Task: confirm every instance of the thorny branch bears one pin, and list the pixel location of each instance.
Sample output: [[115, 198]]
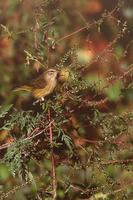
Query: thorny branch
[[105, 100], [106, 15], [54, 184], [32, 135]]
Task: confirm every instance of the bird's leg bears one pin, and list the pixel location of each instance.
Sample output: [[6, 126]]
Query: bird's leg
[[34, 103], [42, 99], [39, 100]]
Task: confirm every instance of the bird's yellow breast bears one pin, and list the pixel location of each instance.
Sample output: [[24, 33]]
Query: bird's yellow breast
[[42, 92]]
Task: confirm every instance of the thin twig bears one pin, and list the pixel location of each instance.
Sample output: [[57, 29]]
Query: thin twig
[[102, 195], [106, 99], [6, 145], [54, 184], [90, 25], [109, 162], [4, 195]]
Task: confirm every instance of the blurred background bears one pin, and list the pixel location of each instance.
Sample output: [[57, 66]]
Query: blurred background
[[100, 31]]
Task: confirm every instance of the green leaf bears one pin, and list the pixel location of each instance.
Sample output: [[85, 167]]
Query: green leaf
[[68, 141], [114, 91], [118, 51], [97, 82], [32, 180], [4, 173], [4, 110]]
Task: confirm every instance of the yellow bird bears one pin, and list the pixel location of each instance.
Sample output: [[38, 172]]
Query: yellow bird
[[41, 86]]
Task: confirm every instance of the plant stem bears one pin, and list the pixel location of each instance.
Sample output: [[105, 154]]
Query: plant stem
[[54, 184]]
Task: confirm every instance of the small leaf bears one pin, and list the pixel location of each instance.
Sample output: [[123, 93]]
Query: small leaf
[[4, 173], [68, 141], [4, 110], [114, 91], [32, 180]]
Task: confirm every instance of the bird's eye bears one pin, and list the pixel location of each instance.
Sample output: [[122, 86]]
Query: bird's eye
[[50, 73]]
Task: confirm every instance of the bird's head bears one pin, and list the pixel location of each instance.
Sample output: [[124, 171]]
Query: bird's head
[[51, 74]]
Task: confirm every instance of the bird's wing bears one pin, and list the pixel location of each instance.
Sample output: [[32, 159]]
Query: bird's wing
[[39, 82], [24, 87]]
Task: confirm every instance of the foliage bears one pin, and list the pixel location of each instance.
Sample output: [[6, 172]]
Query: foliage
[[4, 110]]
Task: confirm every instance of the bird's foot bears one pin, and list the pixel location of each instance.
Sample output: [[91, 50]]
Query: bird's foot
[[34, 103], [39, 101], [42, 99]]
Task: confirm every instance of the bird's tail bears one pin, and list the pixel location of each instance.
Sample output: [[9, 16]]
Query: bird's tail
[[24, 88]]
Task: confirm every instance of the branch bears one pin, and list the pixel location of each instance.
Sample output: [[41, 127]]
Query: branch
[[113, 162], [91, 24], [54, 182], [6, 145], [105, 100]]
